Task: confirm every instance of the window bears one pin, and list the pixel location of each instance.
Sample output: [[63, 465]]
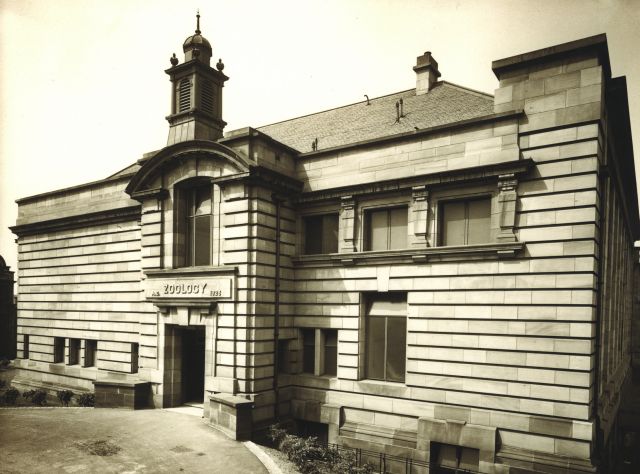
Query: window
[[466, 222], [25, 346], [195, 226], [386, 229], [386, 336], [283, 356], [308, 350], [330, 365], [90, 351], [134, 357], [74, 351], [449, 458], [58, 349], [327, 361], [321, 234]]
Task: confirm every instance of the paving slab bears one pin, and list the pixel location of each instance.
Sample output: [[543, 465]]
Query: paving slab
[[86, 440]]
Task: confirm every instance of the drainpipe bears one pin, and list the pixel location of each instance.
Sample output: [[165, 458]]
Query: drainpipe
[[276, 313], [603, 244]]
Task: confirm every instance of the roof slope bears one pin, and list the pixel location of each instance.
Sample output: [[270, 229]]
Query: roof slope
[[446, 103]]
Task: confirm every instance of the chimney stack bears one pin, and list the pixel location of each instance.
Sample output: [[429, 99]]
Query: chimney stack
[[427, 73]]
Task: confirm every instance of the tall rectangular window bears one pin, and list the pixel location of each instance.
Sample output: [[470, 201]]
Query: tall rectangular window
[[321, 234], [25, 346], [134, 357], [308, 350], [466, 222], [386, 337], [90, 352], [283, 356], [199, 227], [194, 224], [330, 351], [386, 229], [74, 351], [58, 349]]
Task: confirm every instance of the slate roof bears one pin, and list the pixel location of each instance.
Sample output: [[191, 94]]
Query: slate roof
[[444, 104]]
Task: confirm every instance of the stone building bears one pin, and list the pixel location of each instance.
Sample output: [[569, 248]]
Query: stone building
[[437, 273], [7, 313]]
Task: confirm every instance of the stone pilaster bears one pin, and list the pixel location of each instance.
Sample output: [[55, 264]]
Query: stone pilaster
[[419, 216], [347, 224], [507, 199]]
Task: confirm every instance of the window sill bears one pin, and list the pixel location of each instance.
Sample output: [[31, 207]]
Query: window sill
[[419, 255], [191, 271]]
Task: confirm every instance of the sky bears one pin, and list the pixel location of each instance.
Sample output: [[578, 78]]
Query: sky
[[83, 91]]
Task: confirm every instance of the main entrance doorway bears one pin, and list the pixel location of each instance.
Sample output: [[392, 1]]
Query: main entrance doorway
[[192, 370]]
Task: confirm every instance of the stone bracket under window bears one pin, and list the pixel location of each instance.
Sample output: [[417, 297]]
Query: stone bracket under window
[[419, 215], [461, 252], [507, 201], [347, 227]]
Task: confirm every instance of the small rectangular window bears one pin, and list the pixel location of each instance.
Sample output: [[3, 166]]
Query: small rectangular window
[[386, 337], [386, 229], [283, 356], [452, 458], [25, 346], [308, 350], [90, 351], [74, 351], [330, 351], [58, 349], [134, 357], [466, 222], [321, 234]]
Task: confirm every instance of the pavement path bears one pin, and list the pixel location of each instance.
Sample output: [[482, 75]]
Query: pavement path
[[86, 440]]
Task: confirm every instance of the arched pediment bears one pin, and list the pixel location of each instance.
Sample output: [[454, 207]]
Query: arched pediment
[[203, 149]]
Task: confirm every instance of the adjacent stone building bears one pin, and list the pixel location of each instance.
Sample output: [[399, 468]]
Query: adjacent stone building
[[7, 313], [437, 273]]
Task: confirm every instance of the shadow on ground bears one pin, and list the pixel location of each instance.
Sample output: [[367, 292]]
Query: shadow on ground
[[84, 440]]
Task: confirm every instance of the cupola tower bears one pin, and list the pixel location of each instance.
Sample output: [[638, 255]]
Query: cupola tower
[[196, 92]]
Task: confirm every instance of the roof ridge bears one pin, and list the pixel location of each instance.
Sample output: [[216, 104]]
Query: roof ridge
[[335, 108], [468, 89]]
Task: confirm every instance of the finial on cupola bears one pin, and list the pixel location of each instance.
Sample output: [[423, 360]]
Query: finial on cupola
[[174, 60], [220, 65], [198, 21]]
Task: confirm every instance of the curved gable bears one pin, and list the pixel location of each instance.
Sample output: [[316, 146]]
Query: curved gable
[[204, 149]]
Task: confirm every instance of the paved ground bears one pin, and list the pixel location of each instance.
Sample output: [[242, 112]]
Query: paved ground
[[85, 440]]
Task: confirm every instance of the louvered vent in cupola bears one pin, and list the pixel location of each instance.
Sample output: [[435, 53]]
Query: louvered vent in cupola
[[208, 96], [184, 95]]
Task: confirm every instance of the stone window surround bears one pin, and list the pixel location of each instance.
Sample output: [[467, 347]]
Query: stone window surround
[[421, 195], [318, 370]]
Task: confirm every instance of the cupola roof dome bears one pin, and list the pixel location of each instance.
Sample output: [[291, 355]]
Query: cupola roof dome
[[196, 40]]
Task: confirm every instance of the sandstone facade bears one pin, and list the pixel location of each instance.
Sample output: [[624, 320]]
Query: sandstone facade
[[513, 345]]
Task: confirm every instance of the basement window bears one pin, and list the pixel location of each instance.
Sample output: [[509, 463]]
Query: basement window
[[450, 458], [25, 346], [90, 351], [58, 350], [135, 349], [308, 350], [74, 352]]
